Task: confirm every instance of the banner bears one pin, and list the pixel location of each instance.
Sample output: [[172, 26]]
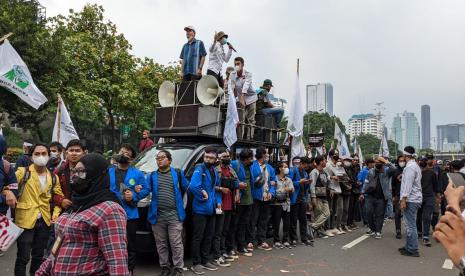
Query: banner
[[316, 140], [15, 77], [63, 131]]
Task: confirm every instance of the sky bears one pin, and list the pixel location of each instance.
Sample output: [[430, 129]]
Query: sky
[[402, 53]]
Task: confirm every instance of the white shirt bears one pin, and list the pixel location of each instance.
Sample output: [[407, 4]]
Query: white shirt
[[410, 186], [217, 57], [242, 85]]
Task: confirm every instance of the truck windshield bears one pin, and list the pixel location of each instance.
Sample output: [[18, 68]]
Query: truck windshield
[[146, 161]]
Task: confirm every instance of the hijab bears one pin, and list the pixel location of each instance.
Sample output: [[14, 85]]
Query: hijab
[[99, 184]]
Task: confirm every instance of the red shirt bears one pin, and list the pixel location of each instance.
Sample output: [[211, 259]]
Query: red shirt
[[94, 243], [145, 144], [227, 198]]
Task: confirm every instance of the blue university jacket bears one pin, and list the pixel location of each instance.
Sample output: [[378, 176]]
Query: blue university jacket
[[201, 180], [152, 180], [257, 193], [295, 176], [239, 168], [133, 178]]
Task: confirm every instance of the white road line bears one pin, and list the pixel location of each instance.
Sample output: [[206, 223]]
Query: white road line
[[448, 264], [355, 242]]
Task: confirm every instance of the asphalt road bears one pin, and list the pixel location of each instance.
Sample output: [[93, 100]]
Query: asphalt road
[[369, 257]]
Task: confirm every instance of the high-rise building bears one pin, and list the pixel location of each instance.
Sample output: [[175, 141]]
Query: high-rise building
[[319, 98], [451, 137], [425, 126], [406, 130], [365, 124]]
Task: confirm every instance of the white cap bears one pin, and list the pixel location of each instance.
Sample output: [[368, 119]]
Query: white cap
[[189, 28]]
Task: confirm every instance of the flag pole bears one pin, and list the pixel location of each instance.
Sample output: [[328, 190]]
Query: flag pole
[[290, 136], [59, 118], [5, 37]]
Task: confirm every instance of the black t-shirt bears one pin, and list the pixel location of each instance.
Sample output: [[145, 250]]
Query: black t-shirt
[[378, 194], [120, 176], [429, 183]]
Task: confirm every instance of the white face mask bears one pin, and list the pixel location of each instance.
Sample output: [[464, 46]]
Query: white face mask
[[401, 164], [347, 164], [237, 68], [286, 171], [338, 164], [54, 154], [40, 161]]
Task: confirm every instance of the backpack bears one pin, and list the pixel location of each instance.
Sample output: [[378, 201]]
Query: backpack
[[27, 175]]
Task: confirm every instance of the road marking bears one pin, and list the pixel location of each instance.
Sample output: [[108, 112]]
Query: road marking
[[448, 264], [355, 242]]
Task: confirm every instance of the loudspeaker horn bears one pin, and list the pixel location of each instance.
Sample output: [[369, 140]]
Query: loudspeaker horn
[[208, 90], [166, 94]]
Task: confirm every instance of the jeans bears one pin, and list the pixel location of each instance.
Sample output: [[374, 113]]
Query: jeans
[[321, 213], [131, 228], [216, 244], [31, 243], [228, 235], [410, 217], [241, 222], [424, 217], [276, 112], [278, 215], [259, 222], [168, 235], [389, 213], [299, 213], [203, 233], [336, 207], [345, 209], [375, 213]]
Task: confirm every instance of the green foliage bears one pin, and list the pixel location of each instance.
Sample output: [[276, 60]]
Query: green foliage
[[423, 152], [13, 154], [370, 145], [314, 122], [12, 137]]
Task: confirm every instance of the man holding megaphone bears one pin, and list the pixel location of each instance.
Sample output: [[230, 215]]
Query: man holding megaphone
[[218, 56]]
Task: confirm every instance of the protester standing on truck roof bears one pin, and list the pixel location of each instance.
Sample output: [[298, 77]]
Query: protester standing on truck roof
[[192, 56], [218, 57]]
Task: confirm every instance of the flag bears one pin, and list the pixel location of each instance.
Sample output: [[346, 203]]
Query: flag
[[355, 146], [295, 125], [360, 157], [342, 146], [63, 131], [15, 77], [232, 119], [1, 131], [384, 149]]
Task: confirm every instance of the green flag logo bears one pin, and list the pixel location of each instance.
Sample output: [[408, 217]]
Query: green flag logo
[[18, 76]]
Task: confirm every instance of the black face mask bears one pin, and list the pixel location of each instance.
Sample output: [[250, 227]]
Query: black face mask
[[121, 158], [226, 162], [379, 166], [78, 185]]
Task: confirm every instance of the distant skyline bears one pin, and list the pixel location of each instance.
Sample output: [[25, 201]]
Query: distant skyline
[[403, 53]]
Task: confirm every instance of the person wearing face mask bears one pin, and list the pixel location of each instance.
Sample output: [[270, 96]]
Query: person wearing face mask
[[229, 184], [56, 151], [91, 235], [443, 181], [319, 197], [353, 194], [377, 187], [218, 57], [33, 210], [333, 169], [429, 188], [8, 182], [205, 205], [25, 159], [395, 182], [192, 56], [362, 176], [241, 85], [265, 106], [129, 185]]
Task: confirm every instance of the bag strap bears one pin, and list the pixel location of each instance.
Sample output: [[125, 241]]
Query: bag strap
[[6, 167], [23, 182]]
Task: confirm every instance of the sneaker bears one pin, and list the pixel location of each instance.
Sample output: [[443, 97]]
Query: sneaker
[[287, 245], [250, 247], [278, 245], [409, 254], [308, 243], [165, 271], [378, 235], [265, 246], [334, 231], [294, 243], [370, 233], [321, 234], [177, 272], [427, 242], [398, 235], [221, 262], [329, 233], [339, 231], [210, 266], [197, 269], [228, 258], [233, 254], [346, 229], [245, 252], [353, 227]]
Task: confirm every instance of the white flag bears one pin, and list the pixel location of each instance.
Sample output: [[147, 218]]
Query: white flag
[[384, 149], [295, 125], [63, 131], [342, 146], [355, 146], [1, 131], [360, 157], [232, 119], [15, 77]]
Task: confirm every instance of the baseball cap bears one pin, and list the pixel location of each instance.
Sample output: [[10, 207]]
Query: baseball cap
[[190, 27], [268, 82]]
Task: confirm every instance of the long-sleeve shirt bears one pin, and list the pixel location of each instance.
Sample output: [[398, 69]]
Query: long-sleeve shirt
[[429, 183], [410, 187], [94, 243], [218, 57]]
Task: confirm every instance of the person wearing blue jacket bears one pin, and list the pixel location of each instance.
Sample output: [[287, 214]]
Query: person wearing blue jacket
[[129, 185], [205, 205], [263, 191], [299, 200], [166, 213], [362, 176], [241, 221]]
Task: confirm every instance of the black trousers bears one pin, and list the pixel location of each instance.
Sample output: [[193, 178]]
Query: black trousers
[[375, 212], [204, 232], [31, 243], [298, 213], [229, 233], [278, 215], [131, 229], [259, 222], [352, 210], [216, 244], [218, 77], [397, 215], [241, 222], [190, 77]]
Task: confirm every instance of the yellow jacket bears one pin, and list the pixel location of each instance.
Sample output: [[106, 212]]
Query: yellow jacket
[[33, 200]]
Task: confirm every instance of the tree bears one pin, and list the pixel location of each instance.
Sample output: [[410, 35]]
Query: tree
[[370, 145], [314, 122]]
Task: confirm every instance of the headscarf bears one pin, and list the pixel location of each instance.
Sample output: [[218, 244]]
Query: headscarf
[[99, 187]]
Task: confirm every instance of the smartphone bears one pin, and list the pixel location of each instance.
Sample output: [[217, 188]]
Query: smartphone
[[456, 179]]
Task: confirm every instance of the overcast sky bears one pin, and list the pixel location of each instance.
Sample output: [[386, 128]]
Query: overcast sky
[[402, 53]]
